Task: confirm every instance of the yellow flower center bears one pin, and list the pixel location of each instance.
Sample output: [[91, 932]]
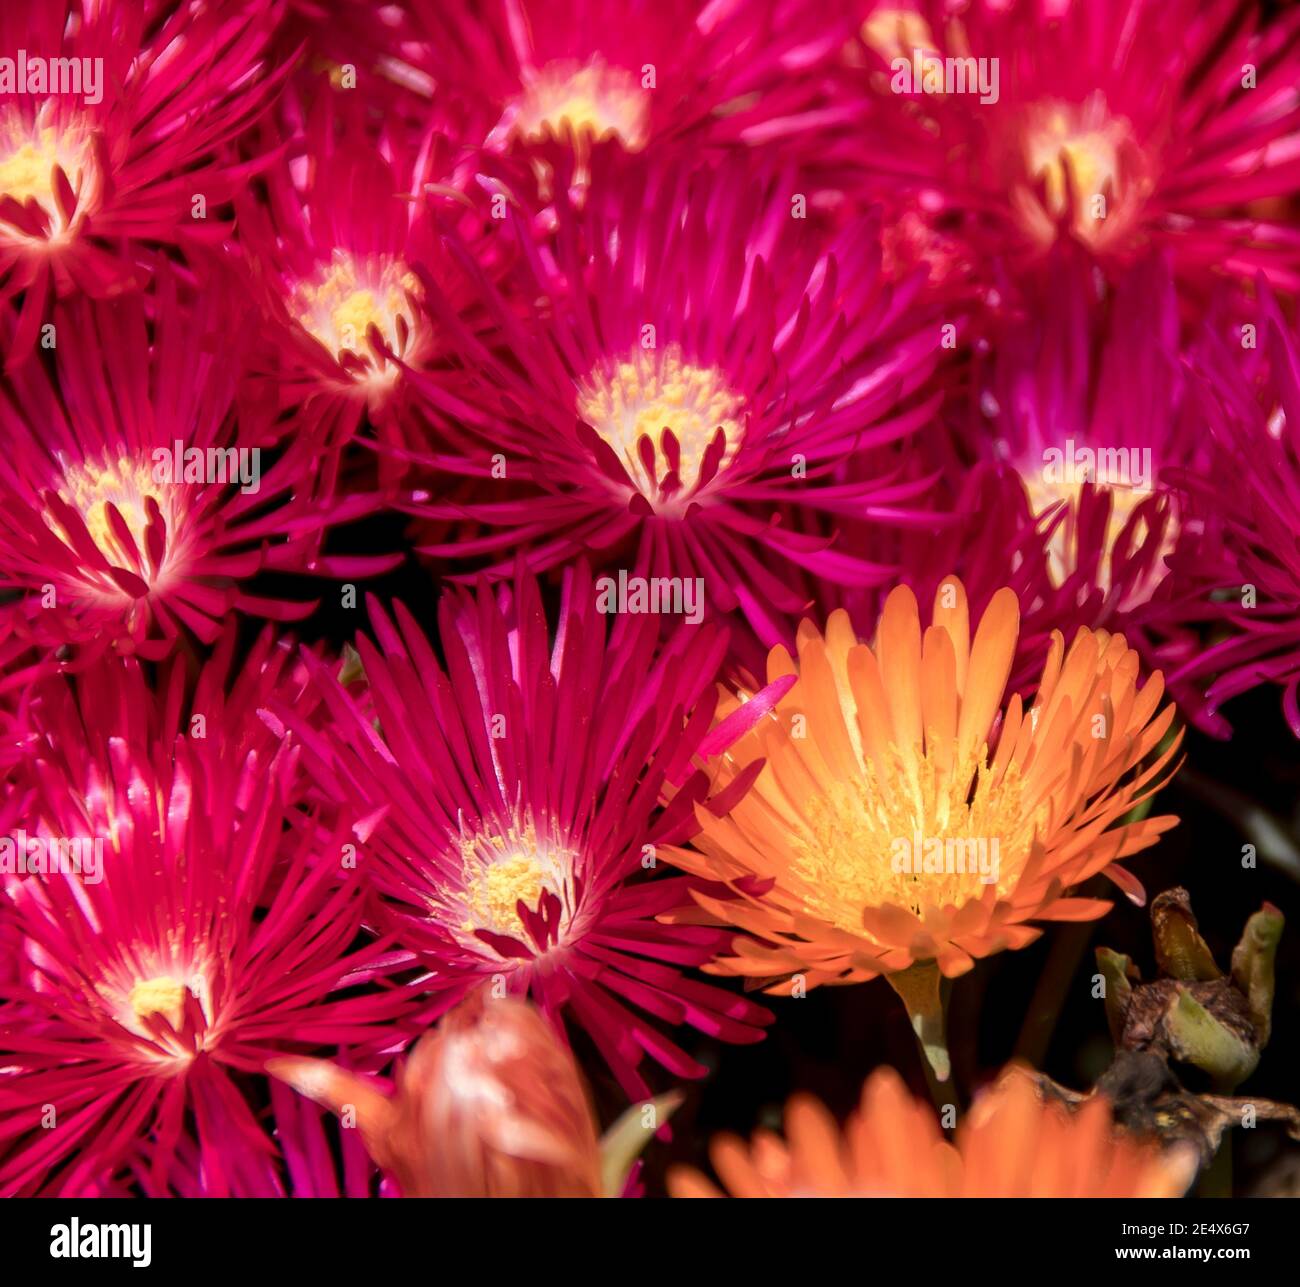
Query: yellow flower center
[[502, 872], [133, 1001], [346, 298], [162, 995], [1063, 547], [648, 394], [27, 160], [127, 485], [28, 171], [895, 33], [894, 832], [584, 103], [1090, 157], [1084, 159]]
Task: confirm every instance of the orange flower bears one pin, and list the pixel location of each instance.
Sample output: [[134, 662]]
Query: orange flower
[[903, 816], [490, 1104], [1011, 1144]]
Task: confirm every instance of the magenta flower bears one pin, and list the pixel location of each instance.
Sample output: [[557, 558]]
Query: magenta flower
[[213, 934], [137, 498], [505, 804], [689, 370], [1085, 405], [330, 258], [1065, 473], [632, 72], [1249, 398], [1125, 125], [87, 178], [319, 1159]]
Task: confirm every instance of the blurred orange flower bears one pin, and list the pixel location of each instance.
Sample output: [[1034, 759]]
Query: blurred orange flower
[[490, 1105], [901, 814], [1011, 1144]]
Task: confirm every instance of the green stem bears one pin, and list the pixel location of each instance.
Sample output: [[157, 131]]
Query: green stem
[[1068, 947], [919, 987]]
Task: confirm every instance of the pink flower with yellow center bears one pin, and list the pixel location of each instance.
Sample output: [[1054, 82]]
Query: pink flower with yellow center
[[138, 497], [1065, 475], [630, 74], [84, 184], [212, 934], [506, 808], [1085, 404], [692, 378], [1123, 125], [331, 259]]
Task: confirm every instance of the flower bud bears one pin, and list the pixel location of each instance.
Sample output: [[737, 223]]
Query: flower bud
[[490, 1104]]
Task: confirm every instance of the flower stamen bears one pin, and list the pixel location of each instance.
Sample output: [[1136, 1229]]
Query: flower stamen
[[649, 396], [500, 873], [584, 103], [29, 158], [345, 299]]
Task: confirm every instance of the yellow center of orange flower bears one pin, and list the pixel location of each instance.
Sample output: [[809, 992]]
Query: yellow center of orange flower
[[584, 103], [500, 873], [650, 393], [340, 304], [905, 816], [28, 156]]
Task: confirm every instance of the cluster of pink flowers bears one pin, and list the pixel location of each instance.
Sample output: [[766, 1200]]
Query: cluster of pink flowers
[[767, 305]]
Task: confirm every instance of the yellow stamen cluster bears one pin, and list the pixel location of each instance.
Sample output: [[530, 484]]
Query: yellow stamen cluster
[[1095, 151], [162, 995], [340, 304], [126, 484], [584, 103], [499, 872], [27, 160], [161, 987], [847, 858], [649, 392], [895, 33], [1062, 549], [1090, 155]]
